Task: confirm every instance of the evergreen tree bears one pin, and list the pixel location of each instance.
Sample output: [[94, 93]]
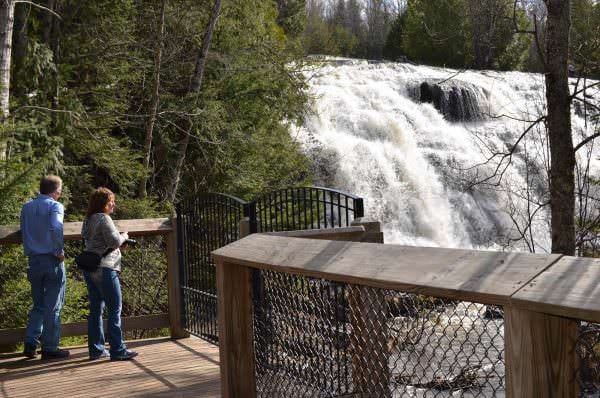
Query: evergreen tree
[[437, 33], [393, 42], [291, 16], [585, 38]]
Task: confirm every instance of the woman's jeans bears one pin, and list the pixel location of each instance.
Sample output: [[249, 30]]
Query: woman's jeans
[[48, 280], [104, 289]]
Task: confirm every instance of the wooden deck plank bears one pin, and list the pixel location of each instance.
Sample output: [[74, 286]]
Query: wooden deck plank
[[164, 368]]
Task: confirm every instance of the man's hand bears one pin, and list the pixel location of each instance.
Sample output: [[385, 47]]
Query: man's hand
[[61, 257]]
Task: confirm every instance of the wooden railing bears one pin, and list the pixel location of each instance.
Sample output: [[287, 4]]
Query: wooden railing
[[136, 228], [544, 297]]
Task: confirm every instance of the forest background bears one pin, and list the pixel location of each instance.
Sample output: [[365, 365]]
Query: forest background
[[108, 93]]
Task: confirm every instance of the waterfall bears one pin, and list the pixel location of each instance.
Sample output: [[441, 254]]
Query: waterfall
[[411, 140]]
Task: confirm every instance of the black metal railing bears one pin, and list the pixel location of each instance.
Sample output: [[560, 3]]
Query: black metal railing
[[210, 221], [305, 208], [204, 223]]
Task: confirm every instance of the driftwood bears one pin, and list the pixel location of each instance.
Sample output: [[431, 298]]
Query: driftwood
[[467, 378]]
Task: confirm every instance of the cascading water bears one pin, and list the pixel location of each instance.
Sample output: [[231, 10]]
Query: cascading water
[[413, 140]]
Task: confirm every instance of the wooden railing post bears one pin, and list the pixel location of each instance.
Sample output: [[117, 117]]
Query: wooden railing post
[[541, 361], [372, 228], [244, 227], [368, 342], [174, 285], [236, 350]]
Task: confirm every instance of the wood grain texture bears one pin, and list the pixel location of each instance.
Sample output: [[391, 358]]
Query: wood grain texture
[[346, 234], [11, 234], [174, 285], [570, 288], [372, 228], [236, 346], [14, 336], [368, 342], [541, 361], [163, 368], [486, 277]]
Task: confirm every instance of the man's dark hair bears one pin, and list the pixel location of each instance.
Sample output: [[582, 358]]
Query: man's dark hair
[[50, 184]]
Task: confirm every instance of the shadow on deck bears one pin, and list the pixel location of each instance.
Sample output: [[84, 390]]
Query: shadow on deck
[[165, 368]]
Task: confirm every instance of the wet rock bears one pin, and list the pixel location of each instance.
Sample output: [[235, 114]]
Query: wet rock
[[458, 102], [493, 312]]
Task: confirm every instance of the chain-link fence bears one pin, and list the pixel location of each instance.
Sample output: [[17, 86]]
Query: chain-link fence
[[317, 338], [588, 350], [143, 284], [143, 280]]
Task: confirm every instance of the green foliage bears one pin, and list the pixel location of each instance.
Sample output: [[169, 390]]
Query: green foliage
[[291, 16], [585, 37], [393, 43], [515, 52], [80, 104], [436, 33]]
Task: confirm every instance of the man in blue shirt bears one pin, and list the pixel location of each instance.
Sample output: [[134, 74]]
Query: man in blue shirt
[[42, 232]]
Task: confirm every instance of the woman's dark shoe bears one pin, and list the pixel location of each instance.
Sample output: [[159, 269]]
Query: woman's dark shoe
[[103, 354], [127, 355], [29, 350], [58, 354]]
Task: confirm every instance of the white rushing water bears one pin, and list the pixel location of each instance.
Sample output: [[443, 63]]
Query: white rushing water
[[371, 134]]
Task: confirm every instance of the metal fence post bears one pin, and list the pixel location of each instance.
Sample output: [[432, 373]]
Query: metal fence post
[[250, 213]]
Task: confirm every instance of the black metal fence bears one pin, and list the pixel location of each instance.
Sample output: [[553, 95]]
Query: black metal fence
[[304, 208], [204, 224], [210, 221], [317, 338]]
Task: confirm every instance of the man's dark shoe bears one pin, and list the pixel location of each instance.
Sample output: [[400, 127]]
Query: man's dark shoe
[[29, 350], [58, 354], [127, 355]]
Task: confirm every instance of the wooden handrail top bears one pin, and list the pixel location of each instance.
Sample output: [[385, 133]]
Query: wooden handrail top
[[569, 288], [342, 233], [552, 283], [485, 276], [11, 234]]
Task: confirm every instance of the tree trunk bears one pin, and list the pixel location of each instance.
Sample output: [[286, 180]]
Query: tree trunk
[[7, 16], [196, 82], [20, 39], [562, 179], [51, 37], [194, 88], [153, 109]]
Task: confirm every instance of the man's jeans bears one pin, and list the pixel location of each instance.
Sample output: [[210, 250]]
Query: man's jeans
[[48, 280], [104, 288]]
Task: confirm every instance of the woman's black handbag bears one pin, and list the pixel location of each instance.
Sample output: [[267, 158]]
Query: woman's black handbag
[[89, 261]]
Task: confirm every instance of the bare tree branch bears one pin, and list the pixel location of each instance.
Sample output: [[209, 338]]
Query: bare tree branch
[[40, 7]]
